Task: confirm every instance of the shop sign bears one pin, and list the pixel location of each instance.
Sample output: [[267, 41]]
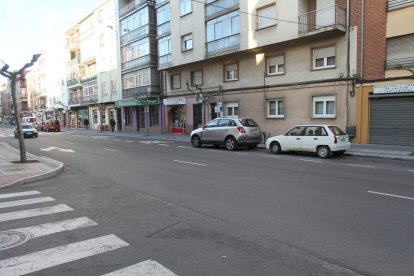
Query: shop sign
[[134, 102], [394, 88], [174, 101]]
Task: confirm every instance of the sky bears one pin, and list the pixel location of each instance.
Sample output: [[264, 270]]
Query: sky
[[34, 26]]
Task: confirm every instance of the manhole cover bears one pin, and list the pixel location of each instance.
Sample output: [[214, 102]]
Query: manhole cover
[[10, 239]]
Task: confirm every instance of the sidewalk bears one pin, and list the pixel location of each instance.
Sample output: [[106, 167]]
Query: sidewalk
[[40, 167]]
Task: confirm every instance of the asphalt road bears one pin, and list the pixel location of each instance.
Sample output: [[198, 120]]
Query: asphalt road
[[213, 212]]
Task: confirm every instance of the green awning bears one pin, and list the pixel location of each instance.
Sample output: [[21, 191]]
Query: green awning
[[135, 102]]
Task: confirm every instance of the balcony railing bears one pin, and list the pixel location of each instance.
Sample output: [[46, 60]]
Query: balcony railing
[[140, 62], [223, 44], [164, 60], [398, 4], [400, 63], [149, 90], [73, 82], [138, 33], [334, 16], [131, 6], [219, 7]]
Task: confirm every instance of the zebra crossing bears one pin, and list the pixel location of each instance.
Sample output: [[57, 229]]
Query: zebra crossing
[[55, 256]]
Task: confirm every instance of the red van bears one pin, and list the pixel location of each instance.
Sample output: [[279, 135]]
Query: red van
[[52, 125]]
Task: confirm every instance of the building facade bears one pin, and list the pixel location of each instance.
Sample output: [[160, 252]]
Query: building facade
[[140, 104], [92, 69], [279, 62]]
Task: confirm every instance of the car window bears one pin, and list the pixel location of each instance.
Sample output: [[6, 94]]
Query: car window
[[26, 126], [336, 130], [296, 131], [211, 124], [248, 123], [320, 131], [223, 122], [232, 123]]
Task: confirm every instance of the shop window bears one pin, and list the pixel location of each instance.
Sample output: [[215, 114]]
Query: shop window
[[324, 107], [95, 116], [128, 116], [154, 115]]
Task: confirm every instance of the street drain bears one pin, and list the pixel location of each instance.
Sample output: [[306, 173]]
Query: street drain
[[10, 239]]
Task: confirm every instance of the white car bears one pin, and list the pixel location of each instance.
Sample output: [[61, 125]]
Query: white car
[[28, 131], [322, 139]]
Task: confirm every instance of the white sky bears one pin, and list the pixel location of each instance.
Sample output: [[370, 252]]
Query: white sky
[[30, 26]]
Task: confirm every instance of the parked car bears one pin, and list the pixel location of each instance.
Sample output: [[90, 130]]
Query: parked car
[[52, 125], [28, 131], [322, 139], [232, 132], [40, 126]]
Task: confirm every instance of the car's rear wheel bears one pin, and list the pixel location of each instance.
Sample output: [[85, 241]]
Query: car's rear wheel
[[231, 143], [275, 148], [196, 141], [324, 152]]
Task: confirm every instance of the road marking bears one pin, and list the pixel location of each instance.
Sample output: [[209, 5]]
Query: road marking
[[34, 212], [148, 267], [59, 255], [25, 202], [271, 156], [70, 143], [310, 160], [56, 227], [58, 149], [117, 140], [129, 141], [111, 150], [185, 162], [164, 145], [185, 147], [19, 194], [411, 171], [241, 153], [362, 166], [384, 194]]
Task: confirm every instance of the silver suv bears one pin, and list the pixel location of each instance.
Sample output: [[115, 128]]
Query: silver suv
[[232, 132]]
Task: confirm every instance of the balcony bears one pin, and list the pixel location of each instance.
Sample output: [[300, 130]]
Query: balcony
[[139, 92], [141, 32], [73, 83], [399, 4], [164, 61], [138, 63], [223, 45], [400, 63], [163, 29], [85, 100], [219, 7], [132, 6], [331, 18]]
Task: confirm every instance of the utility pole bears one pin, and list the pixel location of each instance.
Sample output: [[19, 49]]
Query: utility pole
[[14, 77]]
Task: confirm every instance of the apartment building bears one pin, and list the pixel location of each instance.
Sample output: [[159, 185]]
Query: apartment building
[[279, 62], [92, 68], [140, 104], [385, 111]]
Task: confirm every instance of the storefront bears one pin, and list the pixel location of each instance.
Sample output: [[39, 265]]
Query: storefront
[[392, 114], [140, 115], [176, 115]]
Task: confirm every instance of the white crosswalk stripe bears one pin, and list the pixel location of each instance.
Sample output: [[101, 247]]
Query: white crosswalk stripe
[[149, 267], [36, 261], [25, 202], [35, 212], [55, 256]]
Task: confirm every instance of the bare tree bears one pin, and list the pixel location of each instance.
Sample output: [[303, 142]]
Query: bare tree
[[14, 77]]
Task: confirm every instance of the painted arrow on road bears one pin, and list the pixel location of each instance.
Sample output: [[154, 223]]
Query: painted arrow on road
[[58, 149]]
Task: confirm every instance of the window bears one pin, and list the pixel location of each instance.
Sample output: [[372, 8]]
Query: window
[[185, 7], [231, 72], [101, 41], [223, 31], [176, 81], [104, 92], [135, 21], [187, 42], [197, 77], [324, 58], [324, 107], [95, 116], [275, 108], [266, 17], [163, 14], [128, 116], [137, 78], [232, 109], [164, 46], [113, 87], [275, 65]]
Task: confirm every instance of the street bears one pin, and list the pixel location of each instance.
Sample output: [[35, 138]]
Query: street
[[210, 211]]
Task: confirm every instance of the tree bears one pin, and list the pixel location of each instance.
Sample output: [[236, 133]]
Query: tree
[[14, 77]]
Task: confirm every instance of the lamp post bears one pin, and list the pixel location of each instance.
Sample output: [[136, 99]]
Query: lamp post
[[13, 77]]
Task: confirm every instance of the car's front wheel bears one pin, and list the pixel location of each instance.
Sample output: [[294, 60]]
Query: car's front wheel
[[231, 143], [275, 148], [196, 141], [324, 152]]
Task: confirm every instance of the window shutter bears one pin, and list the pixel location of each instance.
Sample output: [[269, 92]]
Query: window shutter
[[273, 61], [324, 52], [400, 47]]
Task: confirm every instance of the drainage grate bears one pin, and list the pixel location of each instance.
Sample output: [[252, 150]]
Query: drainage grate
[[10, 239]]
